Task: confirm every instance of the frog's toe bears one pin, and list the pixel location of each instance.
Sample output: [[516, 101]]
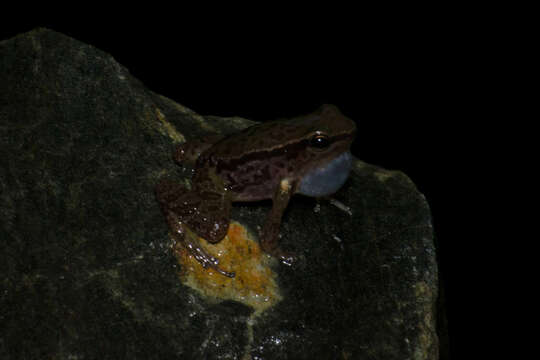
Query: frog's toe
[[213, 263], [287, 259], [207, 260], [223, 272]]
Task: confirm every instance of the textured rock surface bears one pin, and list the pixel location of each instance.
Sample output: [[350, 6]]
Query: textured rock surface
[[87, 268]]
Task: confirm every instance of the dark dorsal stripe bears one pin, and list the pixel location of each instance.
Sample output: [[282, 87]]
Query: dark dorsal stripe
[[290, 149]]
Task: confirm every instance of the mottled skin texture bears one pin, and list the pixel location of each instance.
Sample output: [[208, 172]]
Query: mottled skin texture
[[266, 161]]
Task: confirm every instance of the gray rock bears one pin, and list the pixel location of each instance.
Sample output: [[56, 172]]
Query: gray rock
[[88, 271]]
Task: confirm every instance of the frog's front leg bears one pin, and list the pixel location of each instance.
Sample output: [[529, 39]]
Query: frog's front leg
[[189, 215], [270, 233]]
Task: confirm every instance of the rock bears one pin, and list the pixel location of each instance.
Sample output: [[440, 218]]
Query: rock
[[88, 269]]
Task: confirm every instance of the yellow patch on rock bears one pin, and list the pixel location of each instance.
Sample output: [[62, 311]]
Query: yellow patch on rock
[[254, 283]]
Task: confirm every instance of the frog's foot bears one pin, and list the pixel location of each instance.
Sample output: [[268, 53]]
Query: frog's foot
[[285, 257], [341, 206], [205, 259]]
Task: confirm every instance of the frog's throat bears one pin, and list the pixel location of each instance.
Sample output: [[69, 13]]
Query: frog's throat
[[327, 179]]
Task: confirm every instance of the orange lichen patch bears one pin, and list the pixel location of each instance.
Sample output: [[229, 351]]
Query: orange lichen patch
[[254, 283]]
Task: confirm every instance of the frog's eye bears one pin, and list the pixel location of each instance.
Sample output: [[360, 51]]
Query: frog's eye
[[319, 141]]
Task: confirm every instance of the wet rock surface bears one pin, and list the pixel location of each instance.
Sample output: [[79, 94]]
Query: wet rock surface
[[85, 255]]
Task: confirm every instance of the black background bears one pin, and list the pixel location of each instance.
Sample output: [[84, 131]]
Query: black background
[[407, 79]]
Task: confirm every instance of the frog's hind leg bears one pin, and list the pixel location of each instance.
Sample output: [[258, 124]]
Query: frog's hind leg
[[190, 240], [188, 152], [186, 210]]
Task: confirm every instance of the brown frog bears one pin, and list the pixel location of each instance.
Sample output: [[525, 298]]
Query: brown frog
[[309, 155]]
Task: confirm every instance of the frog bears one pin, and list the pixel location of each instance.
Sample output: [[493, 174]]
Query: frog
[[308, 155]]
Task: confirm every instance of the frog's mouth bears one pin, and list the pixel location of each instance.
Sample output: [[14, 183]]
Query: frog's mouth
[[326, 180]]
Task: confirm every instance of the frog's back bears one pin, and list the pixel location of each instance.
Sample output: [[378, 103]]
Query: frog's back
[[252, 162], [282, 133]]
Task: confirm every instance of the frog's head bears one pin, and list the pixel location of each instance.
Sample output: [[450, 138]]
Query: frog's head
[[324, 161]]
